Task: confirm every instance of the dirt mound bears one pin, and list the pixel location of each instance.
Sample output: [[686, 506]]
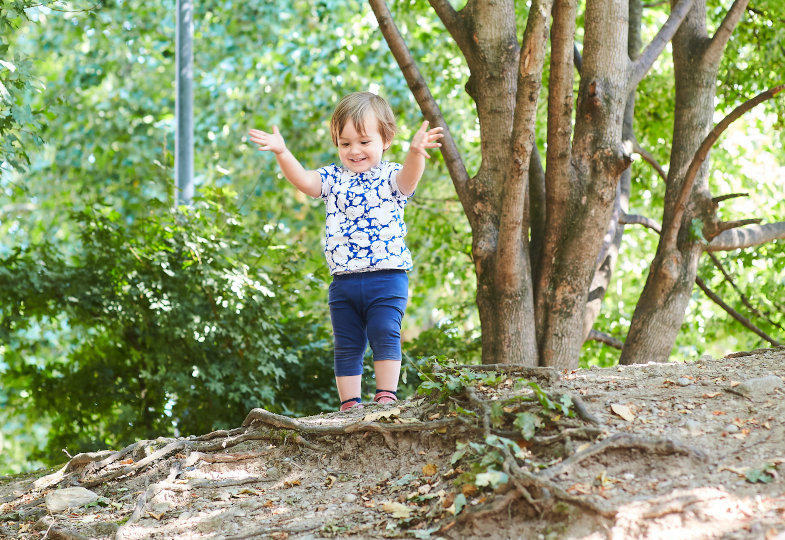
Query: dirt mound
[[658, 450]]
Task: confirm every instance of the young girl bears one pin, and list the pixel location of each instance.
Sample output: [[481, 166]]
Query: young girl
[[364, 235]]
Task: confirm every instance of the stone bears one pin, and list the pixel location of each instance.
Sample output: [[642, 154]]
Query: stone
[[72, 497], [759, 385], [105, 528], [731, 428], [349, 498], [693, 426], [683, 381]]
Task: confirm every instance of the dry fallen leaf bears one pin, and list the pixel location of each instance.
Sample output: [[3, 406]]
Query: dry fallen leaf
[[623, 411], [379, 415], [397, 510], [469, 489], [429, 469], [712, 394]]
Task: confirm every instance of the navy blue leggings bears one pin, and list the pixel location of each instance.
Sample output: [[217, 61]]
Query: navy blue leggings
[[367, 306]]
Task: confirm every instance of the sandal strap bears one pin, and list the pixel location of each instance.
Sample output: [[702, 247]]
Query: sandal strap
[[391, 394], [349, 403]]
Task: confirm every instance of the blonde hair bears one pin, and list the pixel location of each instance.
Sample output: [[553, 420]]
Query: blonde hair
[[355, 107]]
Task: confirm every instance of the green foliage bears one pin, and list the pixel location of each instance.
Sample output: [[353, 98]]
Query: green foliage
[[441, 380], [19, 123], [177, 322], [764, 474]]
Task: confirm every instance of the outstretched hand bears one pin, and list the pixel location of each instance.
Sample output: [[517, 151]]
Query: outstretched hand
[[272, 142], [425, 138]]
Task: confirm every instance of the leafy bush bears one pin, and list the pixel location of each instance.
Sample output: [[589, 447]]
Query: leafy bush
[[177, 322]]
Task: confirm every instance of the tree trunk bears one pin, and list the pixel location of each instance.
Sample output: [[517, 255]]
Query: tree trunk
[[660, 310], [597, 161]]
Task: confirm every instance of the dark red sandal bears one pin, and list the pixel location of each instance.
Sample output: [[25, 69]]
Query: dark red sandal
[[351, 403], [385, 396]]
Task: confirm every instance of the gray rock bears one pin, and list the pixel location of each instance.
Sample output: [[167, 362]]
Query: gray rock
[[732, 428], [693, 426], [105, 528], [683, 381], [72, 497], [759, 385], [349, 498]]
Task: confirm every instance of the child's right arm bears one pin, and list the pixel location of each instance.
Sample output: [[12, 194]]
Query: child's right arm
[[309, 182]]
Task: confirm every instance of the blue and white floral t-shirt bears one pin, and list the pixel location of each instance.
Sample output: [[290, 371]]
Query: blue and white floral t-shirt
[[364, 229]]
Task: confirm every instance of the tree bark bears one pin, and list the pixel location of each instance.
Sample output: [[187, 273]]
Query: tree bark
[[597, 161], [660, 310]]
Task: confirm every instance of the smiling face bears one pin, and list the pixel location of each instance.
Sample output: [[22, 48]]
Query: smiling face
[[361, 150]]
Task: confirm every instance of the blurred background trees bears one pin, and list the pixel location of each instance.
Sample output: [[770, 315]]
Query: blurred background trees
[[121, 318]]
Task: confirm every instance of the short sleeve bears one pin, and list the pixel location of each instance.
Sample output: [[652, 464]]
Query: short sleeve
[[399, 196], [328, 174]]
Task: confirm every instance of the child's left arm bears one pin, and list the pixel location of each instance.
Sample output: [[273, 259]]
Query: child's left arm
[[414, 164]]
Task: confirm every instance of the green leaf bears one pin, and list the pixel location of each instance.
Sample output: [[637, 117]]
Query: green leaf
[[527, 423]]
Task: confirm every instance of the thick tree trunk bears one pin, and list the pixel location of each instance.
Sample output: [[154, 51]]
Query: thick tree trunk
[[596, 163], [660, 310]]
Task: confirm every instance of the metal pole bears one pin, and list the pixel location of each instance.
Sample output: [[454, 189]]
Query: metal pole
[[184, 107]]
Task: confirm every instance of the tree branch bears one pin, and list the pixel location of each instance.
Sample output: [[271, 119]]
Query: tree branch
[[742, 296], [607, 339], [728, 225], [671, 231], [635, 219], [653, 50], [650, 159], [747, 237], [425, 100], [456, 26], [719, 199], [720, 39], [735, 314]]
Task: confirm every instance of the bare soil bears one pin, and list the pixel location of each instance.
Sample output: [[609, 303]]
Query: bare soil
[[657, 450]]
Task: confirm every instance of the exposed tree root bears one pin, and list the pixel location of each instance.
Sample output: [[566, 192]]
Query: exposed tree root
[[548, 374], [285, 422], [623, 441]]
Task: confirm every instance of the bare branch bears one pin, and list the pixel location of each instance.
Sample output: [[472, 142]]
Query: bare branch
[[735, 314], [607, 339], [671, 231], [653, 50], [456, 26], [650, 159], [747, 237], [720, 39], [718, 200], [728, 225], [742, 296], [425, 100], [635, 219]]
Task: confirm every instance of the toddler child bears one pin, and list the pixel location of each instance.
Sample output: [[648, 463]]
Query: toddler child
[[364, 235]]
